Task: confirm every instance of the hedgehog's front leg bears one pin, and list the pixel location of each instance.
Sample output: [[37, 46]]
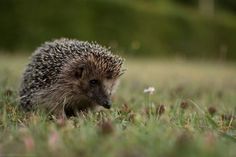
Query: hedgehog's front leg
[[59, 114]]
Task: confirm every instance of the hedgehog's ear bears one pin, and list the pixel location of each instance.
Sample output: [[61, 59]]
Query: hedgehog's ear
[[79, 71], [109, 75]]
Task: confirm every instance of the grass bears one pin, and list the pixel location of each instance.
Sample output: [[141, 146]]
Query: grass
[[191, 113]]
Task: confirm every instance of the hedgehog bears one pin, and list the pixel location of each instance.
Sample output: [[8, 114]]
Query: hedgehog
[[68, 75]]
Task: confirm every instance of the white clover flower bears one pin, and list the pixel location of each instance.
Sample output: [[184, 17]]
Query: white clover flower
[[149, 90]]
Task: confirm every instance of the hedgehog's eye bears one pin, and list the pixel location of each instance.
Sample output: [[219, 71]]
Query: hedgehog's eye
[[93, 82]]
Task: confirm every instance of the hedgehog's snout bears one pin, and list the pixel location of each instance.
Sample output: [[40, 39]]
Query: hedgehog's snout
[[107, 104]]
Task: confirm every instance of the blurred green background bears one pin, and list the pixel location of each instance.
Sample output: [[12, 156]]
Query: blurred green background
[[162, 28]]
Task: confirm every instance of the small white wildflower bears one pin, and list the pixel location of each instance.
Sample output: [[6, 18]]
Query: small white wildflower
[[149, 90]]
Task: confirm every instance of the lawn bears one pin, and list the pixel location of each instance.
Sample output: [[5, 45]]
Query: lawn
[[191, 113]]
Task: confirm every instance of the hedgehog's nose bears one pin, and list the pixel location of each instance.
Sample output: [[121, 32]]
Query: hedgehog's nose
[[107, 104]]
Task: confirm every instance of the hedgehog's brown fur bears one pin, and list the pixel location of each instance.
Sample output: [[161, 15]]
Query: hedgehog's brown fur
[[70, 74]]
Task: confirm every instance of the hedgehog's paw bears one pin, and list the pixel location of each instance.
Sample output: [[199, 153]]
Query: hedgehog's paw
[[59, 114]]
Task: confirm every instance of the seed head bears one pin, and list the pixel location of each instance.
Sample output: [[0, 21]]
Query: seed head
[[212, 110], [160, 109], [184, 105], [106, 128]]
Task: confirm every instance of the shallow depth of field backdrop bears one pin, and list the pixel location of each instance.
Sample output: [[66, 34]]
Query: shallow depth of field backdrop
[[184, 49]]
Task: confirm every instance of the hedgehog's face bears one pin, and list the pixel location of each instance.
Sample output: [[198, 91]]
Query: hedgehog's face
[[98, 88], [94, 78], [97, 92]]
